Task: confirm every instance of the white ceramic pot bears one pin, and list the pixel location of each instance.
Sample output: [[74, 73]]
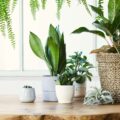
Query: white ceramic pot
[[64, 93], [79, 89], [48, 88], [27, 95]]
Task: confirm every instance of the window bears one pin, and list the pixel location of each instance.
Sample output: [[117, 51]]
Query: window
[[21, 60]]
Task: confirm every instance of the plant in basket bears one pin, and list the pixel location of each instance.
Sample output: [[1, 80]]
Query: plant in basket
[[108, 56]]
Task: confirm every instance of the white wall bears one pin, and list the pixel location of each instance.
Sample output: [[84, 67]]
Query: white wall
[[13, 85]]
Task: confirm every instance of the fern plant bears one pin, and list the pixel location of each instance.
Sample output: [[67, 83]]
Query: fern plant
[[5, 18], [35, 4]]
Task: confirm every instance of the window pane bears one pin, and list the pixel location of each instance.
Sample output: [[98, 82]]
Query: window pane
[[71, 18], [9, 57]]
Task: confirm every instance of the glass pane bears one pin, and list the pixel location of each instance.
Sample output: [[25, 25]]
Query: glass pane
[[9, 57], [71, 18]]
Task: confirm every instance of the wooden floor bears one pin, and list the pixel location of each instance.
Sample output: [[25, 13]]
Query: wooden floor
[[12, 109]]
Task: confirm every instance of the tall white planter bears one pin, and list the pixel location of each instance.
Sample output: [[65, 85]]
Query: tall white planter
[[79, 90], [48, 88], [64, 93]]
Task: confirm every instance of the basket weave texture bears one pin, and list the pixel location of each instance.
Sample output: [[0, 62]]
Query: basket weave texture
[[109, 72]]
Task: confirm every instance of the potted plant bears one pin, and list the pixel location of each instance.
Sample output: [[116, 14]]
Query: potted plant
[[54, 55], [108, 56], [79, 67], [27, 94], [64, 87]]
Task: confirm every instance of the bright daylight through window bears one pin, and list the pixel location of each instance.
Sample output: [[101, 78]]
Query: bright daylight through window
[[22, 59]]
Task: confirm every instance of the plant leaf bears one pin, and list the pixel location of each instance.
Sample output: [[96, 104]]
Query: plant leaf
[[111, 10], [84, 29], [53, 53], [36, 45]]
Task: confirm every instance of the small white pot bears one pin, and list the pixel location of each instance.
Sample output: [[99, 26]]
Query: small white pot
[[79, 89], [64, 93], [27, 95]]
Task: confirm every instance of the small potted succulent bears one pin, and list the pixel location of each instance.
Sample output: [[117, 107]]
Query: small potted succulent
[[54, 55], [80, 72], [27, 94]]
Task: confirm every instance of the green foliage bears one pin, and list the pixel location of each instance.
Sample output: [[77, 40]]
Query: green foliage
[[5, 19], [34, 4], [98, 96], [77, 69], [108, 26], [54, 52]]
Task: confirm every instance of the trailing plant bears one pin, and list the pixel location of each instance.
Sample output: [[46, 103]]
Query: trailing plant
[[35, 4], [109, 26], [98, 96], [77, 69], [5, 18], [54, 52]]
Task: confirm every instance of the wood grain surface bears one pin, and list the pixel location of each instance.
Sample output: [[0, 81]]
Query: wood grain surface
[[12, 109]]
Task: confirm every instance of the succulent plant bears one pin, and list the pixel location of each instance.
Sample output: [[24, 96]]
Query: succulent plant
[[98, 96], [27, 86]]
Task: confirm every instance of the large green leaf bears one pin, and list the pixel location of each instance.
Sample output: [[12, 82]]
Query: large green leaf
[[62, 55], [104, 27], [97, 10], [36, 45], [84, 29], [111, 10], [53, 53], [53, 33]]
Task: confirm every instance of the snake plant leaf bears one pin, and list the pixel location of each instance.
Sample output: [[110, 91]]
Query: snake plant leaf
[[111, 10], [84, 29], [53, 33], [62, 55], [36, 45], [53, 53]]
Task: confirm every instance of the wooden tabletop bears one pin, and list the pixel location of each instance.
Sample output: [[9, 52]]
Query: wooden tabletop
[[11, 106]]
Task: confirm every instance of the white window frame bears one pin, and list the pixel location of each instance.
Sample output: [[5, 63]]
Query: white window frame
[[21, 72]]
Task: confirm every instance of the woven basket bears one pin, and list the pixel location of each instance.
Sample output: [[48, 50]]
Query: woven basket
[[109, 72]]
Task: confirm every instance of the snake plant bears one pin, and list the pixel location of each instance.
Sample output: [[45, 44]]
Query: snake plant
[[108, 26], [98, 96], [54, 52]]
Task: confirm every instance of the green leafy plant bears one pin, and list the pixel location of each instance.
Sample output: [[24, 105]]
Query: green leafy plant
[[35, 4], [109, 26], [54, 52], [5, 18], [98, 96], [77, 69]]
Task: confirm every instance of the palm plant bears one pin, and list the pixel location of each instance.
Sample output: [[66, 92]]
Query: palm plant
[[109, 26], [54, 52], [5, 18]]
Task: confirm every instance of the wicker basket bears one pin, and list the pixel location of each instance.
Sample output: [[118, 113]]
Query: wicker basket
[[109, 72]]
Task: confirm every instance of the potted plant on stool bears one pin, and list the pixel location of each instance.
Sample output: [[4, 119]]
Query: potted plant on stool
[[108, 56], [54, 55]]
